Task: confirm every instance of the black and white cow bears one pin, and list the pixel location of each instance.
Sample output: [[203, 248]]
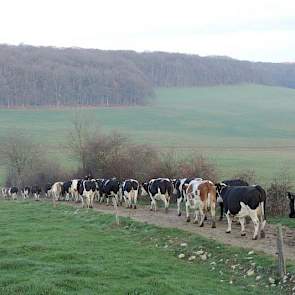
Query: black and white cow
[[36, 191], [130, 192], [291, 197], [74, 189], [66, 190], [25, 192], [229, 182], [111, 189], [242, 201], [47, 189], [4, 192], [100, 195], [180, 192], [159, 189], [12, 192], [87, 189]]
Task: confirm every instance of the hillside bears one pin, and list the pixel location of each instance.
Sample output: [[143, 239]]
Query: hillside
[[238, 127], [48, 76]]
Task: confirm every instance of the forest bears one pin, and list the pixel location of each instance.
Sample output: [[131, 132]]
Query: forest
[[49, 76]]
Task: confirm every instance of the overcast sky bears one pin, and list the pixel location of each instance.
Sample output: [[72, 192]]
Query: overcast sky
[[260, 30]]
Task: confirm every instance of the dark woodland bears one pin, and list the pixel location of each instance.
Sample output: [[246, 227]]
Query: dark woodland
[[48, 76]]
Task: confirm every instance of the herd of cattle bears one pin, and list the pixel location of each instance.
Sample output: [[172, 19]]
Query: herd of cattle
[[236, 197]]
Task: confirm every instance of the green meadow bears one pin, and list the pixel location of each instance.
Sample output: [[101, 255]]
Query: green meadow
[[237, 127], [70, 251]]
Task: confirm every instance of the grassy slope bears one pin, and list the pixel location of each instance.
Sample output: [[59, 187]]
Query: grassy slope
[[246, 126], [66, 251]]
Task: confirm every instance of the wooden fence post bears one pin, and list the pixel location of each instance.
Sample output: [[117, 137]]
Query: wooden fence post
[[280, 251], [116, 210]]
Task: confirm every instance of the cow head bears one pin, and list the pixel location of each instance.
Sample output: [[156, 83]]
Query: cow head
[[219, 188], [144, 188], [174, 182]]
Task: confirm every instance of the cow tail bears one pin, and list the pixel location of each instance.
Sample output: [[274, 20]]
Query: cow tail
[[262, 200], [132, 195]]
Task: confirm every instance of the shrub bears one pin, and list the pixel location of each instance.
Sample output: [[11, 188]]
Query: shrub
[[277, 203]]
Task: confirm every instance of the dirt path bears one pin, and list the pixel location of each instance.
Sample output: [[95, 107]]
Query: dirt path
[[159, 218]]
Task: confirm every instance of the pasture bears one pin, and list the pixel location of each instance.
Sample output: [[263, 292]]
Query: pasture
[[71, 251], [237, 127]]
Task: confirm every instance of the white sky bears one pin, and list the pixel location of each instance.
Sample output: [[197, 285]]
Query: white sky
[[261, 30]]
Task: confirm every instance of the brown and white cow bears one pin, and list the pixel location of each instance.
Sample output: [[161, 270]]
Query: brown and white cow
[[55, 192], [201, 196]]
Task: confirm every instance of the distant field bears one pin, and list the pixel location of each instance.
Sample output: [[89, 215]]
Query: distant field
[[238, 127]]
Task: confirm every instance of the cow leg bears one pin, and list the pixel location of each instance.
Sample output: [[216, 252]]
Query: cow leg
[[82, 201], [187, 207], [262, 221], [77, 197], [135, 199], [91, 200], [118, 199], [229, 221], [179, 200], [242, 222], [153, 203], [126, 200], [53, 199], [221, 210], [195, 207], [255, 220], [87, 199], [202, 213], [166, 203], [213, 212]]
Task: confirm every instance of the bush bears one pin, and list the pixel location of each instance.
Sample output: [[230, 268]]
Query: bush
[[246, 175], [276, 202], [197, 166]]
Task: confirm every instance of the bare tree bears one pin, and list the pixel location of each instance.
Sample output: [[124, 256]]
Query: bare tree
[[19, 153], [80, 137]]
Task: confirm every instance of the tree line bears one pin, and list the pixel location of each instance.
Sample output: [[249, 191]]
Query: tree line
[[48, 76]]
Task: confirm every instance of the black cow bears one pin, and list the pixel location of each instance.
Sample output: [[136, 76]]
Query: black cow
[[230, 182], [179, 190], [36, 191], [66, 190], [242, 201], [111, 188], [130, 192], [291, 197], [159, 189]]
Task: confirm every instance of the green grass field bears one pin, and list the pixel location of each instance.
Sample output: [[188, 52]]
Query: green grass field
[[69, 251], [238, 127]]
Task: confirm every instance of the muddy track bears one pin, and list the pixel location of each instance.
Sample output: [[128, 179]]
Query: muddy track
[[171, 220]]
